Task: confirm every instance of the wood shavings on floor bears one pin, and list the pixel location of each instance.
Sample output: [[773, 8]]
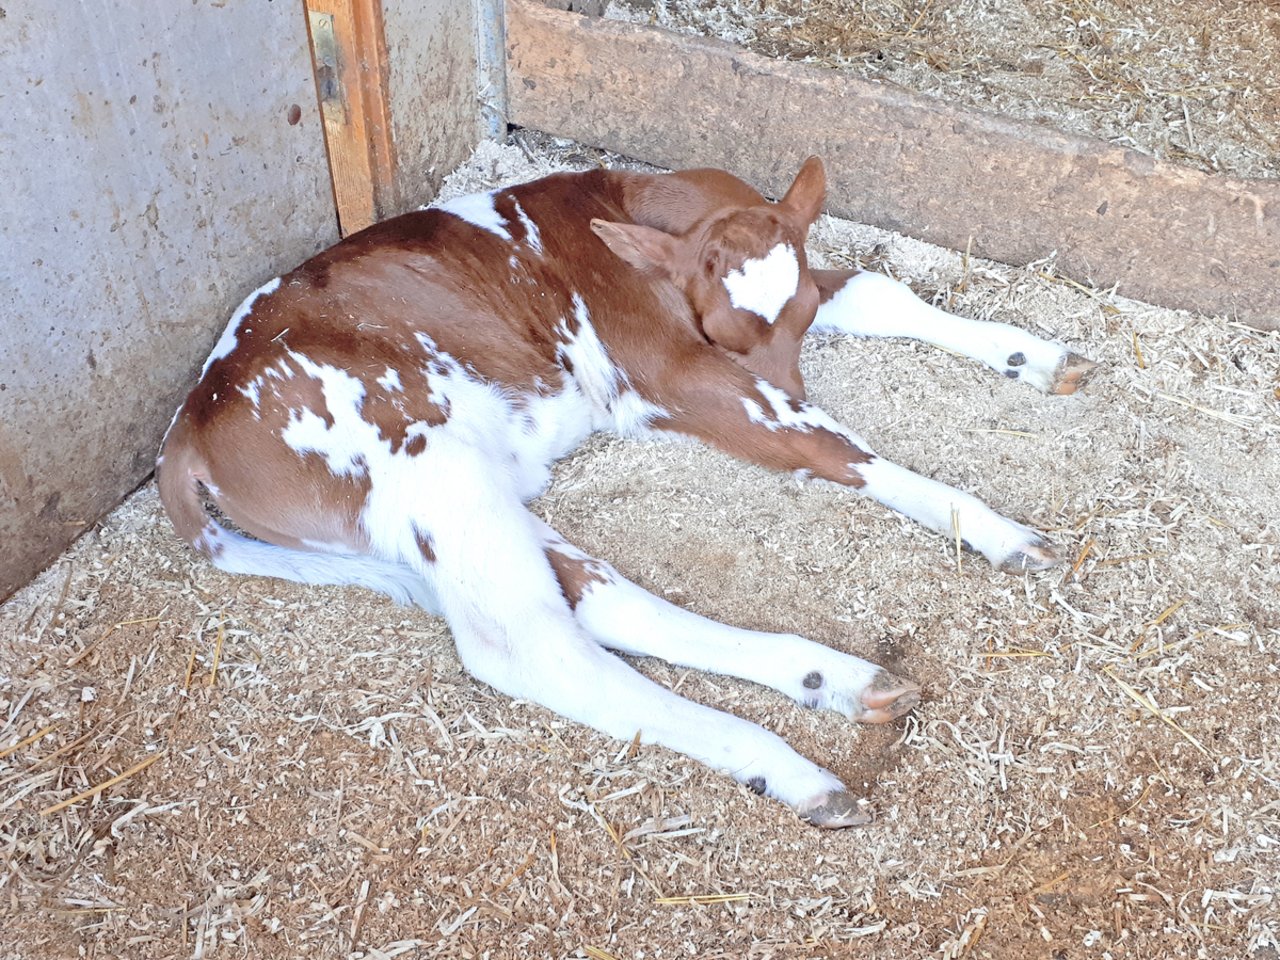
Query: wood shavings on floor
[[1092, 773]]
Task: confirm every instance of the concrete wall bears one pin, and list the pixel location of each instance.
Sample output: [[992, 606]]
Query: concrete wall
[[445, 87], [160, 160]]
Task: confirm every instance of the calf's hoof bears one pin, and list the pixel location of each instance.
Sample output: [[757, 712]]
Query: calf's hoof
[[834, 810], [887, 698], [1072, 374], [1030, 557]]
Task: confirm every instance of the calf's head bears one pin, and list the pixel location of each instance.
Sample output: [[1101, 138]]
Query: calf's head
[[744, 272]]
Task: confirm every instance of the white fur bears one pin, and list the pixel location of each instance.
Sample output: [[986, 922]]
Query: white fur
[[253, 393], [926, 501], [873, 305], [615, 405], [629, 619], [552, 425], [931, 503], [236, 554], [169, 429], [227, 342], [617, 614], [478, 210], [782, 416], [532, 236], [763, 286], [281, 372], [347, 444], [524, 640]]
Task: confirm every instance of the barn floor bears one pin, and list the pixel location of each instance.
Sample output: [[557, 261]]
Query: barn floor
[[1094, 771]]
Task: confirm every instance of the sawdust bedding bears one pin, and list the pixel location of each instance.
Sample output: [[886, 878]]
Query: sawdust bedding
[[1196, 82], [1092, 773]]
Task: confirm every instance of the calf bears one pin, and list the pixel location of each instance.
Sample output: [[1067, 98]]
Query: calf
[[381, 415]]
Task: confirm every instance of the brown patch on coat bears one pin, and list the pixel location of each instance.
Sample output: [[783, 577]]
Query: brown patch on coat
[[831, 282], [577, 574]]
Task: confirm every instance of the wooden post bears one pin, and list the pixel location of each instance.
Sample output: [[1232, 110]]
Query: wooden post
[[348, 52]]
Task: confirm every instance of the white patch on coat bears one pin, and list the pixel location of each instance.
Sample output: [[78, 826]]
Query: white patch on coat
[[281, 371], [480, 418], [524, 433], [253, 392], [615, 403], [390, 380], [478, 209], [169, 429], [764, 285], [326, 564], [346, 444], [532, 236], [227, 342], [547, 427], [783, 415]]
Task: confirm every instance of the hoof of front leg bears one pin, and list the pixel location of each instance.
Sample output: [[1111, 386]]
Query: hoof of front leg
[[834, 810], [1030, 557], [1071, 374], [887, 698]]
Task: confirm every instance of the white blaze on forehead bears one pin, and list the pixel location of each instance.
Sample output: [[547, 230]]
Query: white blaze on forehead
[[764, 285], [478, 209], [227, 342]]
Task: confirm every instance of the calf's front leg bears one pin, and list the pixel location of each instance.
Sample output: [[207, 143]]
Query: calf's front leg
[[753, 419], [867, 304]]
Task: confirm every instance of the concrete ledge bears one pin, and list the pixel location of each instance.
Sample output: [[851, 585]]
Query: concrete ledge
[[1165, 234]]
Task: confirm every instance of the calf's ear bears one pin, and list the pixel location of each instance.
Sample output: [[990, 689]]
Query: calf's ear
[[807, 191], [642, 247]]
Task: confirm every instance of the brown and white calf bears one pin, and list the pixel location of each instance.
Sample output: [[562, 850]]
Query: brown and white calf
[[380, 416]]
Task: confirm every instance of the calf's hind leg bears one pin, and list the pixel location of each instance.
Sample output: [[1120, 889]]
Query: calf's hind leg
[[515, 631], [627, 618], [867, 304]]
